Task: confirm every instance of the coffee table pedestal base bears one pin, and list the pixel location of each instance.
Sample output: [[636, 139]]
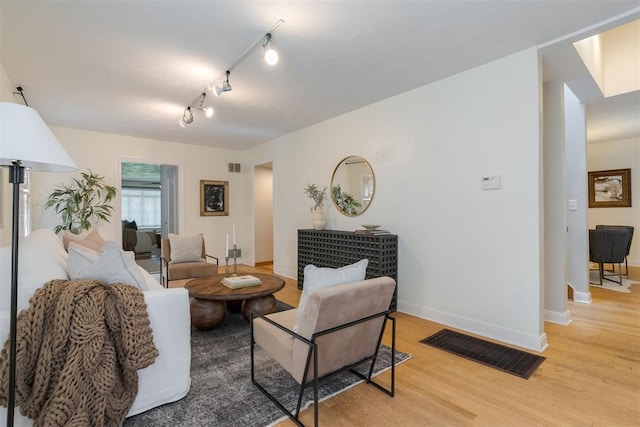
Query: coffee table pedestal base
[[207, 314], [262, 305]]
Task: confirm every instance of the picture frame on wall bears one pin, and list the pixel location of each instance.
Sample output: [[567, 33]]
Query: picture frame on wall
[[214, 198], [610, 188]]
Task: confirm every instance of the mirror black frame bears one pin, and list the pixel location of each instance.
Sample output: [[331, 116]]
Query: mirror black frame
[[346, 203]]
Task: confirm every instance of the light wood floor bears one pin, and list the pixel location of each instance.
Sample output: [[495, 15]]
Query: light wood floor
[[591, 376]]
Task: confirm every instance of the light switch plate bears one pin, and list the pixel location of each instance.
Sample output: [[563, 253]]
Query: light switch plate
[[490, 182], [573, 205]]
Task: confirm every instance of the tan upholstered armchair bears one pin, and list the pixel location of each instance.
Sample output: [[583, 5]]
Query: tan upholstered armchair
[[340, 327], [185, 261]]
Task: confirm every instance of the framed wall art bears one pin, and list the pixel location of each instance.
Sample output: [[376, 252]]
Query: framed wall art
[[610, 188], [214, 198]]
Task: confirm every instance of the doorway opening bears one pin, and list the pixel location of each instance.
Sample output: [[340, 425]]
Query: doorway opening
[[148, 209], [263, 213]]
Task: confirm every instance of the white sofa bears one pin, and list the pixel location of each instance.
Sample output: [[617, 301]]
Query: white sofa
[[42, 257]]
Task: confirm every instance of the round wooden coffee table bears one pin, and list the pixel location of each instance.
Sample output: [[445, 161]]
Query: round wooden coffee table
[[209, 298]]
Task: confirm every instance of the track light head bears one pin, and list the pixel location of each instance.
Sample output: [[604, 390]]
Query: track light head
[[270, 54], [208, 110], [187, 117], [271, 57], [226, 87]]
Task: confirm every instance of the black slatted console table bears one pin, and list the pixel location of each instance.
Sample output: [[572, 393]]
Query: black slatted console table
[[332, 248]]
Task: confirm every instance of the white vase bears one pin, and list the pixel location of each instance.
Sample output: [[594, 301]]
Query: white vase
[[318, 220]]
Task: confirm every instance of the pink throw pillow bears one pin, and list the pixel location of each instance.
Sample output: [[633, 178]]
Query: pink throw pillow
[[93, 240]]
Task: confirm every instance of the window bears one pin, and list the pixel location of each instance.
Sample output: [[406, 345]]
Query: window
[[141, 206]]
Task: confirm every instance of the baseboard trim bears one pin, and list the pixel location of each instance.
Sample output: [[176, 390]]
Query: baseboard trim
[[286, 273], [582, 297], [499, 333], [558, 317]]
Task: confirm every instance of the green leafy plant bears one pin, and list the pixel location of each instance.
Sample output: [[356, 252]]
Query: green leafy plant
[[345, 202], [86, 200], [316, 195]]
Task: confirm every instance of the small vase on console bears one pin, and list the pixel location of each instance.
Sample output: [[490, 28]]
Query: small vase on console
[[318, 221]]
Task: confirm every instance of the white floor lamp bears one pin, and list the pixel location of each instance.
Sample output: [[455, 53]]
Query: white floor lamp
[[25, 142]]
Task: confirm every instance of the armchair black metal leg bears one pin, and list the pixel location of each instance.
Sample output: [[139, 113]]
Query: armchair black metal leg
[[252, 347], [367, 378], [315, 387], [601, 272], [626, 266], [620, 273], [614, 274], [393, 356]]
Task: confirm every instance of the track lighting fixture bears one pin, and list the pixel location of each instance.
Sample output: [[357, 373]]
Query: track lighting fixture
[[270, 56], [226, 87], [187, 117], [207, 109]]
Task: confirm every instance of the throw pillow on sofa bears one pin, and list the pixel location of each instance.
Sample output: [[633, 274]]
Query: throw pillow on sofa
[[92, 240], [185, 248], [323, 277], [111, 265]]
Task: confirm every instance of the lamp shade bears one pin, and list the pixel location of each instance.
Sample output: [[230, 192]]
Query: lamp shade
[[24, 136]]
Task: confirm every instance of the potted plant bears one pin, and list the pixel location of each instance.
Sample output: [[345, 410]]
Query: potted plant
[[345, 202], [85, 202], [314, 193]]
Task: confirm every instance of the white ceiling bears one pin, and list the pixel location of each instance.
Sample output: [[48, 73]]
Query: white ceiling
[[131, 67]]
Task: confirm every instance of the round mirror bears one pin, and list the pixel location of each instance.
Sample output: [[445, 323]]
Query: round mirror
[[352, 186]]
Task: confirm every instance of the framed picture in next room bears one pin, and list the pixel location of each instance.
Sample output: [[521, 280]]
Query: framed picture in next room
[[214, 198], [610, 188]]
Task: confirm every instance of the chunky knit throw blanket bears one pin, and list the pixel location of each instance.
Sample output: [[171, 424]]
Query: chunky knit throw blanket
[[79, 346]]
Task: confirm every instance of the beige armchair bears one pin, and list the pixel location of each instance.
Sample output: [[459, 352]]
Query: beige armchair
[[340, 327], [180, 267]]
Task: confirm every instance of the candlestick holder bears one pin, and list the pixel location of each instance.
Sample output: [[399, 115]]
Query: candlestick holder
[[232, 253], [226, 266]]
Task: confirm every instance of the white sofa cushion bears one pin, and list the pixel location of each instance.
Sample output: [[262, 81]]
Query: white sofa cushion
[[316, 278], [41, 258], [111, 265]]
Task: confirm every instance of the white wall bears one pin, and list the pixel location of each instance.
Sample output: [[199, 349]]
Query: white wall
[[576, 190], [619, 155], [99, 152], [555, 220], [467, 257]]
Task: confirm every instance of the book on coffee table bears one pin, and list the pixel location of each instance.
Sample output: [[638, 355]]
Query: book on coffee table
[[241, 281]]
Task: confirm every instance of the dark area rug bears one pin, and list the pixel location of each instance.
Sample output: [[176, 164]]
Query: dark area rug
[[510, 360], [221, 392]]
